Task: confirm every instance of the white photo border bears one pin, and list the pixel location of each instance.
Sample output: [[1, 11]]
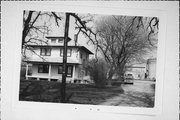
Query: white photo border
[[93, 8]]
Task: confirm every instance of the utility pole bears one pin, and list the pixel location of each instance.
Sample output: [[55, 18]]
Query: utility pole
[[64, 74]]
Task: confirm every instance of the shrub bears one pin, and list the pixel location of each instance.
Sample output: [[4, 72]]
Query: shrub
[[153, 86], [98, 72], [23, 72]]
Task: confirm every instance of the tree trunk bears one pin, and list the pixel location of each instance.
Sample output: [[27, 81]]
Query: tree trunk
[[109, 77], [121, 72], [109, 82]]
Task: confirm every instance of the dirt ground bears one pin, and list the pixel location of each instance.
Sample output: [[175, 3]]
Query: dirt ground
[[140, 94]]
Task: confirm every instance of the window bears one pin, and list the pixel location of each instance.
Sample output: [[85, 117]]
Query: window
[[53, 40], [69, 52], [61, 51], [45, 51], [69, 70], [60, 40], [43, 68]]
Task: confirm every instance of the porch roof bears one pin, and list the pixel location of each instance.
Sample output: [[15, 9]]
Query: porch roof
[[51, 60]]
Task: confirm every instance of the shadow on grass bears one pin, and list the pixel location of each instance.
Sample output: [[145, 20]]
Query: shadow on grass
[[45, 91]]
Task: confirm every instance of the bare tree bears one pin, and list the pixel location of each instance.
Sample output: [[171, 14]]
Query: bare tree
[[32, 30], [149, 24], [36, 25], [120, 41]]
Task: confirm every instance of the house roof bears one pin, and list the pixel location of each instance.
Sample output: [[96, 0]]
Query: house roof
[[52, 45], [59, 37], [57, 60], [85, 49]]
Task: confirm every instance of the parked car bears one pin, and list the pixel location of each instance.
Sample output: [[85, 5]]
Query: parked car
[[128, 79]]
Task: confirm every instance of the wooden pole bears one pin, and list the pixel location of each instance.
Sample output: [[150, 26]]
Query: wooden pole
[[63, 84], [27, 71]]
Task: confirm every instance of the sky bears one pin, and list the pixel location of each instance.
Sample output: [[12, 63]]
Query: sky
[[59, 31]]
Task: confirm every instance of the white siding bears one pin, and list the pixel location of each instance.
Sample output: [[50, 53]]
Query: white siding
[[37, 51], [75, 54], [54, 72], [152, 70], [85, 57], [55, 53]]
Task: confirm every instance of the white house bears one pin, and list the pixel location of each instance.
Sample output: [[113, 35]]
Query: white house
[[138, 70], [143, 71], [146, 70], [151, 68], [45, 62]]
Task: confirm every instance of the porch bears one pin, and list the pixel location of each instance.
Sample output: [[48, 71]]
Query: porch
[[50, 72]]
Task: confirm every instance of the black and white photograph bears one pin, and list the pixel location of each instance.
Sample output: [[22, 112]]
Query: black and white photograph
[[92, 59], [89, 60]]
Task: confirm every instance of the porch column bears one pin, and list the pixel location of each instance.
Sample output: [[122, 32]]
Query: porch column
[[49, 77], [73, 74], [27, 67]]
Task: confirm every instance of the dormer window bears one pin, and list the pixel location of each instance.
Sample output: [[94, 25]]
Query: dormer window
[[60, 40], [53, 40], [45, 51], [56, 39]]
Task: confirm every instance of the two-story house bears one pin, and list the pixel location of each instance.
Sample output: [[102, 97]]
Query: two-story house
[[45, 62]]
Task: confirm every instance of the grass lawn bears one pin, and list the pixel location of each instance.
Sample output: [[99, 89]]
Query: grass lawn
[[45, 91]]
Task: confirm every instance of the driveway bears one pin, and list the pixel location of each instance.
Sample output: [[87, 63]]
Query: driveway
[[140, 94]]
